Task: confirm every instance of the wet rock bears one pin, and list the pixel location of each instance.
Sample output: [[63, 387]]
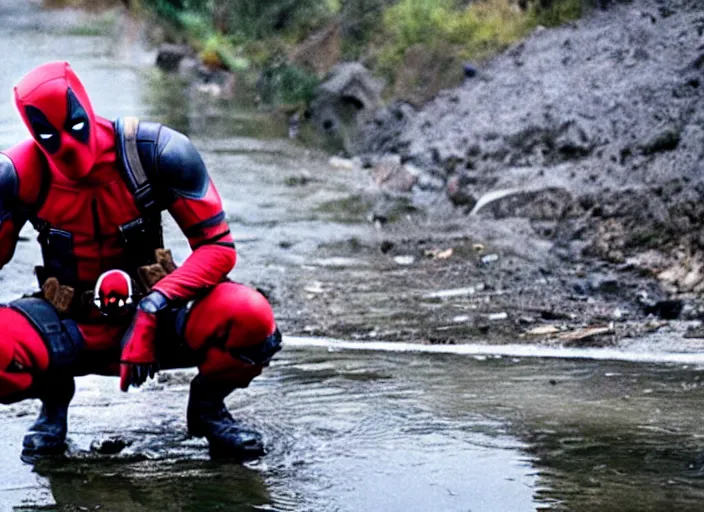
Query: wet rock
[[603, 283], [551, 314], [666, 138], [665, 309], [109, 446], [301, 179], [581, 287], [391, 175], [386, 246], [169, 56], [695, 332]]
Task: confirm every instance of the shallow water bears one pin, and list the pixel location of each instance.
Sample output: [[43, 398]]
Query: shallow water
[[390, 431], [346, 430]]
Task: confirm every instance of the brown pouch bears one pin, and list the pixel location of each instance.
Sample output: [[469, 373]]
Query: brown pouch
[[149, 275], [165, 259], [58, 295]]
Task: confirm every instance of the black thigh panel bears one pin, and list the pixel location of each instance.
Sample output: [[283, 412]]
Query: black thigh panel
[[62, 338]]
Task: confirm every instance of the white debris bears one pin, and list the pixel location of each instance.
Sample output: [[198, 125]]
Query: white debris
[[543, 330], [404, 260], [453, 292], [341, 163], [314, 287]]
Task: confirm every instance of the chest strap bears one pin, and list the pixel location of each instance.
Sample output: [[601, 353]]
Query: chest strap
[[135, 176]]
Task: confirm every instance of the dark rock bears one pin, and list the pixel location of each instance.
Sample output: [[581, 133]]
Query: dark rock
[[698, 62], [665, 309], [581, 287], [109, 446], [470, 71], [666, 138], [386, 246], [601, 283], [549, 314], [573, 141], [169, 56], [344, 101], [460, 191]]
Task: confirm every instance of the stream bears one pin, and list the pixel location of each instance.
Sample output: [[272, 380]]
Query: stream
[[346, 430]]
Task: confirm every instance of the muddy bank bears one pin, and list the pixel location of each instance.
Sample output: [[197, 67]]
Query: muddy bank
[[582, 145]]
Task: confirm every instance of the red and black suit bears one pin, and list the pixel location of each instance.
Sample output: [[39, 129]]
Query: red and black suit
[[75, 182]]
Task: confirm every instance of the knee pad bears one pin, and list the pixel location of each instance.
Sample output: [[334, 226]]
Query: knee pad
[[262, 353]]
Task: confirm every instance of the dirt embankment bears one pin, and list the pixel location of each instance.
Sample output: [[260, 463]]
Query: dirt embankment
[[594, 132]]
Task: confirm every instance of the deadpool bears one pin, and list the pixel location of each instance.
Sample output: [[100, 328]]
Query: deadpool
[[111, 300]]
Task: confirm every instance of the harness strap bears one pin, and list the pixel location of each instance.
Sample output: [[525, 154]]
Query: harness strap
[[135, 175]]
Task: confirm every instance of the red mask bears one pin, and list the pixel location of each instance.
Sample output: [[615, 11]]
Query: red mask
[[56, 109], [113, 292]]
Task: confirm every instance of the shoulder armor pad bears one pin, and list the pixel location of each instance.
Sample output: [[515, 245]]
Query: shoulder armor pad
[[9, 186], [181, 169]]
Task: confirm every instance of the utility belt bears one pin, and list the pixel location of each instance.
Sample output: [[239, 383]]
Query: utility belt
[[78, 301]]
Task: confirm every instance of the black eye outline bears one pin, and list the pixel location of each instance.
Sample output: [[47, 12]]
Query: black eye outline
[[41, 126], [75, 116]]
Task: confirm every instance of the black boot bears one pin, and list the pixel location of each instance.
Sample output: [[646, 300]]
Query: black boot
[[47, 436], [208, 417]]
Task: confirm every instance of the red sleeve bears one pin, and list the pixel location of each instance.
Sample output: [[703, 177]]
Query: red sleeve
[[21, 172], [203, 222], [9, 234]]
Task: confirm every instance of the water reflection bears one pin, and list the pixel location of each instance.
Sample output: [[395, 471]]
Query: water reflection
[[412, 432], [182, 486]]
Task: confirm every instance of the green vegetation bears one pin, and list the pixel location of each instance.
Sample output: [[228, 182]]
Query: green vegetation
[[473, 32], [415, 44]]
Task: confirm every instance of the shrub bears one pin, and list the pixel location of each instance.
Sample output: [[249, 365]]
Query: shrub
[[286, 84]]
